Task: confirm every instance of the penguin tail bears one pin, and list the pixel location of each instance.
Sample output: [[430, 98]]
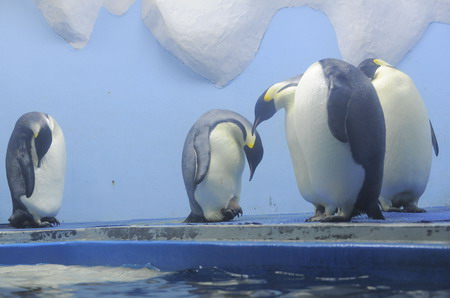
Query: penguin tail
[[373, 211], [194, 218]]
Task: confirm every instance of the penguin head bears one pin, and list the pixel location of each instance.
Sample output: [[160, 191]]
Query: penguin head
[[370, 66], [37, 128], [254, 151], [274, 98]]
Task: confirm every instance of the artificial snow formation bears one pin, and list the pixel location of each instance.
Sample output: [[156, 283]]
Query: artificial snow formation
[[219, 38], [74, 20]]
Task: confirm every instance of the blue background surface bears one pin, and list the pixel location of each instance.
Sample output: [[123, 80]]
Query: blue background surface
[[125, 105]]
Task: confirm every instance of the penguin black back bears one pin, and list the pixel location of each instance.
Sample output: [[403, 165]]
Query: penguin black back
[[355, 116]]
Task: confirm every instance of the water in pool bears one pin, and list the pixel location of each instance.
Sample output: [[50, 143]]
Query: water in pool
[[67, 281]]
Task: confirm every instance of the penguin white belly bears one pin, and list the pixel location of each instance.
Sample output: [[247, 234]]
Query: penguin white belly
[[298, 161], [223, 180], [408, 137], [335, 178], [49, 180]]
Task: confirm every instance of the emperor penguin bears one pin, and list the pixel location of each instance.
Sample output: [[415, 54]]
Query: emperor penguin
[[336, 135], [409, 137], [213, 162], [35, 169], [281, 96]]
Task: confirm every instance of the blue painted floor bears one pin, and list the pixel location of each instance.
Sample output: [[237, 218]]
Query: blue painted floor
[[433, 215]]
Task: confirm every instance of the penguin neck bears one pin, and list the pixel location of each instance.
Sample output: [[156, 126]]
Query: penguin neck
[[233, 130], [285, 101]]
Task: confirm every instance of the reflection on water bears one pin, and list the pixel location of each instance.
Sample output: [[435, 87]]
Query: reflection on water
[[68, 281]]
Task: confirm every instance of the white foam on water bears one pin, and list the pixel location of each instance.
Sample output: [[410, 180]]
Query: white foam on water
[[54, 276]]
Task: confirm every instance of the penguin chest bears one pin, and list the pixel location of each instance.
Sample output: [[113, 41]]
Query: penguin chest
[[335, 178], [297, 158], [49, 181], [223, 180], [408, 136]]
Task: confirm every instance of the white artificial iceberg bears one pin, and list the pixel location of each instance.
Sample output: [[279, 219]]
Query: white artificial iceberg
[[74, 20], [219, 38]]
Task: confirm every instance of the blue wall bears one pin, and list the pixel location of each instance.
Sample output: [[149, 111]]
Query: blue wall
[[125, 106]]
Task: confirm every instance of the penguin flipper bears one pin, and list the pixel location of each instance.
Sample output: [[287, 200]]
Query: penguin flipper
[[26, 167], [355, 116], [202, 153], [434, 140], [338, 102], [366, 132]]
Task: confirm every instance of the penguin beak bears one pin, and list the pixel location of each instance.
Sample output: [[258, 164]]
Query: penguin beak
[[255, 124], [254, 152], [249, 153], [264, 109]]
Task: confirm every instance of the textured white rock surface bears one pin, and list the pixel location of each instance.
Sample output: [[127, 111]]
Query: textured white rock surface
[[74, 20], [219, 38], [386, 29], [216, 39]]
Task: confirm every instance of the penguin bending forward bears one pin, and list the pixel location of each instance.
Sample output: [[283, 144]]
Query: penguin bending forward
[[213, 162], [35, 168], [336, 135], [409, 137]]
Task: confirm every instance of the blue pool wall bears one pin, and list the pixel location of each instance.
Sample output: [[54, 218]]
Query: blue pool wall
[[401, 262], [126, 104]]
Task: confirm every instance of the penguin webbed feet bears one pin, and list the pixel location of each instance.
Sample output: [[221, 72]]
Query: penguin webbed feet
[[413, 209], [406, 209], [23, 220], [320, 215], [230, 213], [49, 222], [329, 218]]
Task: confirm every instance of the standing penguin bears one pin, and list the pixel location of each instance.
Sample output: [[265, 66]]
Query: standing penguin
[[409, 137], [282, 96], [35, 168], [213, 162], [336, 135]]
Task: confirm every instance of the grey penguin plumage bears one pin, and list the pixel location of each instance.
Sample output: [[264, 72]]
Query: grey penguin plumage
[[35, 168], [410, 137], [336, 135], [213, 161]]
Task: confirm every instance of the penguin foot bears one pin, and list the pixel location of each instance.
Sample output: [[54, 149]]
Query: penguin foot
[[413, 209], [49, 222], [393, 209], [319, 214], [335, 218], [316, 218], [230, 213]]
